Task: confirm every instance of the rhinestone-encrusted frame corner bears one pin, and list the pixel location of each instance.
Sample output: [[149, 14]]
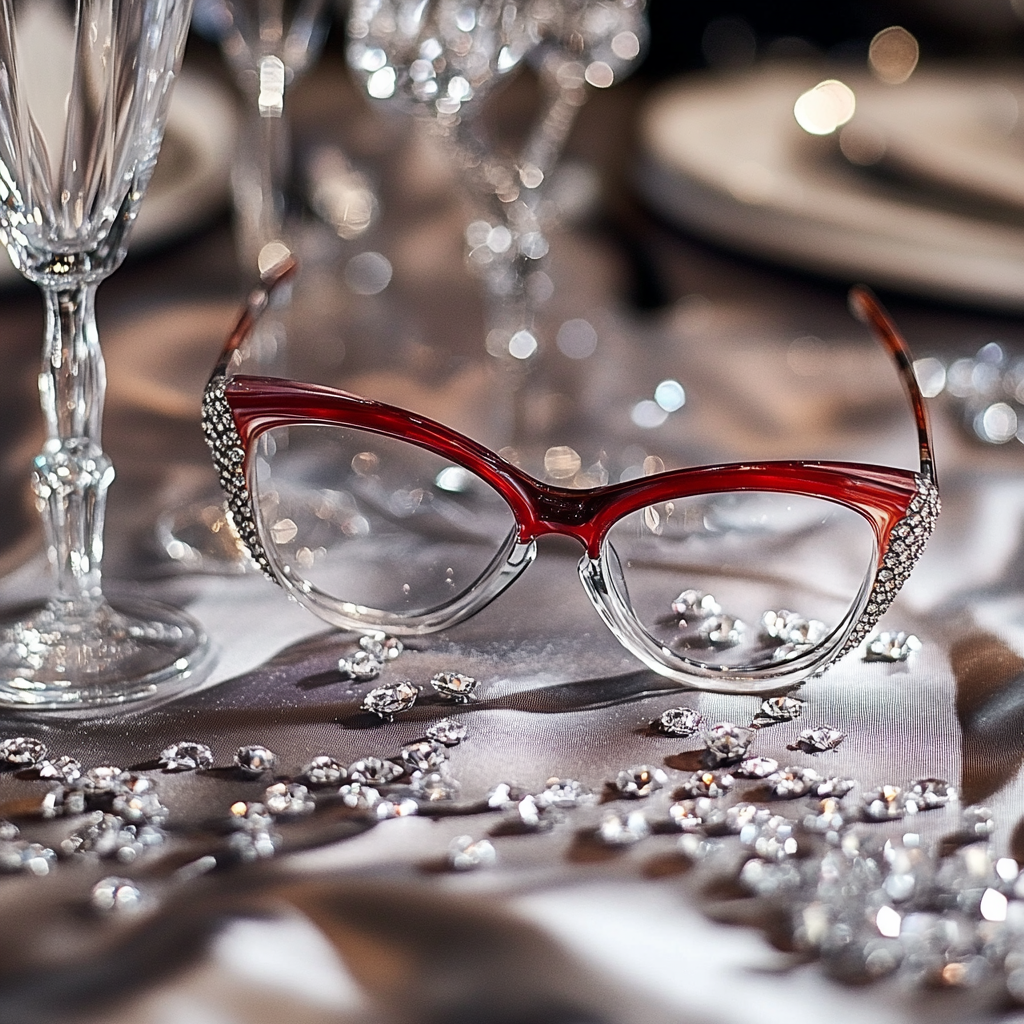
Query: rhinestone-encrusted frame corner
[[229, 459]]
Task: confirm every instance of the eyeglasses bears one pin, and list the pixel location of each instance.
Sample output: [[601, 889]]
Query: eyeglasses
[[735, 578]]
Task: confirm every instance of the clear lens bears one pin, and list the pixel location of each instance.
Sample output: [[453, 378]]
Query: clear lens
[[742, 580], [367, 523]]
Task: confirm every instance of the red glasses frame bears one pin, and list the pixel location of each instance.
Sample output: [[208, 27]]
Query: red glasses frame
[[900, 505]]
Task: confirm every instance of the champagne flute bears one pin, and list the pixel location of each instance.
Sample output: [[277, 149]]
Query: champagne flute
[[71, 182]]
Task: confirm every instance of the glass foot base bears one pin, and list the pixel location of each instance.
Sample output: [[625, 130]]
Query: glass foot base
[[49, 660]]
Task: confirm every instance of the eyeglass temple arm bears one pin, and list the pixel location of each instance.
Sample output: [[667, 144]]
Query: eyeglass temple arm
[[869, 311], [270, 281]]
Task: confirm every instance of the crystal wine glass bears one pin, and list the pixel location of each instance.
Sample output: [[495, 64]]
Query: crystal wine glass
[[268, 44], [79, 135]]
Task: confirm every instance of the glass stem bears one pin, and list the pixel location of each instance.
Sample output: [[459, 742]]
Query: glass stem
[[71, 474]]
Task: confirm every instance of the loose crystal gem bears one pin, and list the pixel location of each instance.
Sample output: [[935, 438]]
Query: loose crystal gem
[[62, 800], [373, 771], [564, 793], [189, 755], [8, 831], [289, 798], [423, 756], [30, 858], [786, 627], [706, 784], [503, 796], [402, 807], [977, 821], [534, 816], [110, 837], [254, 760], [144, 807], [834, 787], [793, 782], [640, 780], [770, 879], [105, 779], [884, 804], [695, 605], [722, 631], [324, 770], [382, 646], [687, 815], [466, 853], [116, 896], [362, 666], [623, 828], [778, 709], [818, 740], [828, 819], [359, 796], [926, 794], [434, 787], [756, 767], [388, 701], [449, 731], [256, 844], [250, 817], [726, 743], [64, 768], [891, 647], [454, 686], [22, 750], [679, 722]]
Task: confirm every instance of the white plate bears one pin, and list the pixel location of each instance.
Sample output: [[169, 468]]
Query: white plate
[[192, 175], [725, 158]]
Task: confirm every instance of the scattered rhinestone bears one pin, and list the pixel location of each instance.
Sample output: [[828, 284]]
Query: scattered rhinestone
[[467, 854], [423, 756], [793, 782], [623, 828], [255, 760], [564, 793], [189, 755], [382, 646], [64, 769], [694, 606], [388, 701], [289, 799], [778, 709], [681, 722], [886, 803], [722, 631], [363, 666], [449, 731], [891, 647], [819, 740], [706, 784], [755, 768], [454, 686], [116, 896], [324, 770], [640, 781], [726, 743], [22, 751], [374, 771]]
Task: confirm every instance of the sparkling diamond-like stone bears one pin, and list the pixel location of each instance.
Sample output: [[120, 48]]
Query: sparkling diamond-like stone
[[722, 631], [30, 858], [257, 844], [324, 770], [679, 722], [564, 793], [834, 787], [144, 807], [623, 828], [399, 807], [109, 836], [22, 750], [388, 701], [829, 817], [189, 755], [503, 796], [534, 816], [116, 896], [374, 771], [358, 796], [726, 743], [891, 647], [253, 760], [977, 821], [688, 815], [361, 666], [382, 646], [883, 804], [449, 731], [926, 794], [423, 756], [793, 782], [778, 709], [640, 780], [289, 798], [8, 831], [104, 779], [695, 605], [756, 767], [434, 787], [250, 816], [709, 784], [62, 800], [454, 686], [64, 768], [786, 627], [818, 740], [466, 853], [768, 878]]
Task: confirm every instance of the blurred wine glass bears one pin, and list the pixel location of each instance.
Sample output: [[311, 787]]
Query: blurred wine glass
[[83, 104]]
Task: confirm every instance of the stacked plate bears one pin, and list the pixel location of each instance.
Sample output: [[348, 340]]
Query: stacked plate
[[923, 190]]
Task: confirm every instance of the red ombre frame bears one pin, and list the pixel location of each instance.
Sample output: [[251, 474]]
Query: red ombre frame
[[898, 504]]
